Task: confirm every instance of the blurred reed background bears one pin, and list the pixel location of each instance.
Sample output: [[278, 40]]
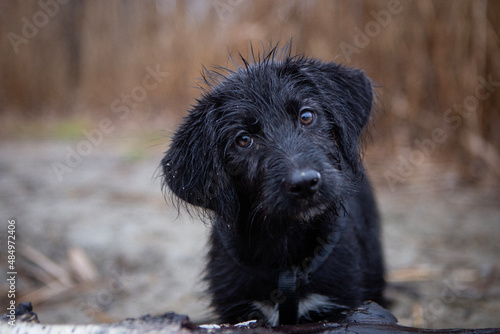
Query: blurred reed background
[[72, 59]]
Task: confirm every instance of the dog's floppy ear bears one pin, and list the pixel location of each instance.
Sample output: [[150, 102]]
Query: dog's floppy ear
[[350, 94], [192, 167], [357, 92]]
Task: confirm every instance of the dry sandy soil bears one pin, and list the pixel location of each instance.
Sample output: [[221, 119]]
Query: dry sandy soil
[[442, 243]]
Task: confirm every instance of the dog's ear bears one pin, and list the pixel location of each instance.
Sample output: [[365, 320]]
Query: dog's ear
[[349, 95], [357, 92], [192, 167]]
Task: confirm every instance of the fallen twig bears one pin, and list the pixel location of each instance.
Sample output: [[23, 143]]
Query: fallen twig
[[368, 318]]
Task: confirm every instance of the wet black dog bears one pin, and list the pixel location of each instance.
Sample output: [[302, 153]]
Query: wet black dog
[[271, 153]]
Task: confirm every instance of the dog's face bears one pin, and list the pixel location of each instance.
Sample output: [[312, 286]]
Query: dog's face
[[276, 140]]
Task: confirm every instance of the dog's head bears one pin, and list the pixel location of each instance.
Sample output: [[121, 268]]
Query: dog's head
[[277, 138]]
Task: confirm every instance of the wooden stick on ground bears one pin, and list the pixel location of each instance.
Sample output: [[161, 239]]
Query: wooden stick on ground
[[368, 318]]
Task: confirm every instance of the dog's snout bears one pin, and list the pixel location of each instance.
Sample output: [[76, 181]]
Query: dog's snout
[[303, 182]]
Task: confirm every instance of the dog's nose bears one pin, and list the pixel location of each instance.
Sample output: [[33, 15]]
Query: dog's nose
[[303, 182]]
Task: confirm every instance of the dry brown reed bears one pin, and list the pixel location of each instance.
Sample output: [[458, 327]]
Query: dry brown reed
[[428, 57]]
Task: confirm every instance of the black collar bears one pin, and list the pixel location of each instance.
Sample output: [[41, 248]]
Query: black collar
[[289, 280]]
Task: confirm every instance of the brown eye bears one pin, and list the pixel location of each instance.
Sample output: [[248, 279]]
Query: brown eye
[[244, 140], [306, 117]]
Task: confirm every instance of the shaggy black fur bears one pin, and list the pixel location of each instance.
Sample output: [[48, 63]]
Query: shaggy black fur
[[271, 153]]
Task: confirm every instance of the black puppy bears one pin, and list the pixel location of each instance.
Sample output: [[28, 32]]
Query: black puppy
[[271, 153]]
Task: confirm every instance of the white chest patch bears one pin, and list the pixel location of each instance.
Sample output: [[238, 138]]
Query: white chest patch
[[311, 303]]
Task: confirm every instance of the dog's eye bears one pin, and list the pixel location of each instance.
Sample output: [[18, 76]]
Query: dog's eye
[[306, 116], [244, 140]]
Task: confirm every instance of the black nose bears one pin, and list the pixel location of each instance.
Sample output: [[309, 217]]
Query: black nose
[[303, 182]]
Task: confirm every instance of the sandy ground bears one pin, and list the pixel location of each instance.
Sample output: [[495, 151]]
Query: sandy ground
[[442, 244]]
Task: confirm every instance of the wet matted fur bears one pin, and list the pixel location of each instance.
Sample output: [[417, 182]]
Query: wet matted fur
[[271, 154]]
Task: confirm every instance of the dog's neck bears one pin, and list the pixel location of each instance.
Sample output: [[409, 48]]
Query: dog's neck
[[278, 244]]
